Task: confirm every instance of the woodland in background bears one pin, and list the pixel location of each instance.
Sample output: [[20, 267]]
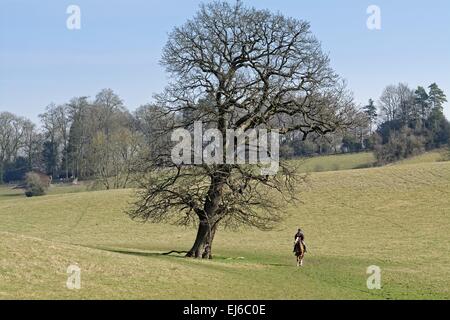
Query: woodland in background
[[404, 122], [100, 138]]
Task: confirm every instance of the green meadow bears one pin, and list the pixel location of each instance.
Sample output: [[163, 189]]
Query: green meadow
[[396, 217]]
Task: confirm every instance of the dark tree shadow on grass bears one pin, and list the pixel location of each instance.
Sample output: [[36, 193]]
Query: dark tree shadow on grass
[[145, 254]]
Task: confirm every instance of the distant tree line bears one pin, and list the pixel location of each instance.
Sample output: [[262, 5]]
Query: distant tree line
[[403, 123], [356, 138], [411, 122], [82, 139], [100, 139]]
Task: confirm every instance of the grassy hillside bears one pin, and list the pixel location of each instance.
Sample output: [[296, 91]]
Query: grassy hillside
[[336, 162], [395, 217], [431, 156], [362, 160]]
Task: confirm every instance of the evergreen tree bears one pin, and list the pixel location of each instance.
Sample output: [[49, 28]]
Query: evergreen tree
[[371, 112], [422, 103], [437, 97], [50, 157]]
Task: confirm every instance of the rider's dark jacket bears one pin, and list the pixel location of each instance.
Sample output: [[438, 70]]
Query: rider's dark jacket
[[300, 235]]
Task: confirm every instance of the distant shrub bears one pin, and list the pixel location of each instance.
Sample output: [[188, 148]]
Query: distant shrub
[[335, 167], [286, 152], [36, 184], [446, 156], [318, 168], [401, 145]]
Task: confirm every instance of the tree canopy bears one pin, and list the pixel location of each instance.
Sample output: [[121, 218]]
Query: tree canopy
[[237, 68]]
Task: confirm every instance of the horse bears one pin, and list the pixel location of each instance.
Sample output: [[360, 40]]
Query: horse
[[299, 251]]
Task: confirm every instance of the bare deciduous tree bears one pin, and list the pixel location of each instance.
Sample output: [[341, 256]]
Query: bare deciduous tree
[[397, 102], [11, 138], [63, 121], [32, 146], [237, 68]]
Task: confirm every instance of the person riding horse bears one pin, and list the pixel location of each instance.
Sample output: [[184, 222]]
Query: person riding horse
[[300, 235]]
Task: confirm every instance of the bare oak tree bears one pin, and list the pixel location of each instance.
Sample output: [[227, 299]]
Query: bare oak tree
[[236, 68], [11, 139]]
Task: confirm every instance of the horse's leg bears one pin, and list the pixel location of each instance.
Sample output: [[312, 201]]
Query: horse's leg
[[298, 261]]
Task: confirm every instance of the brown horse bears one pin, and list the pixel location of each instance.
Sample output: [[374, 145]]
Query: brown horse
[[299, 252]]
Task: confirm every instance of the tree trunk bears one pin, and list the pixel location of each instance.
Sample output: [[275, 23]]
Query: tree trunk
[[207, 216], [207, 254], [202, 232], [67, 167], [205, 234]]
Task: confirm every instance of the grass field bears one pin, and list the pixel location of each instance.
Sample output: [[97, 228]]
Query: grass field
[[396, 217], [432, 156], [336, 162]]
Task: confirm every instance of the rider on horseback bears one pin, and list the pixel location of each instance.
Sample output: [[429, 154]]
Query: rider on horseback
[[300, 235]]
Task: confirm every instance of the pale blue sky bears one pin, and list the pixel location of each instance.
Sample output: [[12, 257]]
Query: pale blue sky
[[120, 41]]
